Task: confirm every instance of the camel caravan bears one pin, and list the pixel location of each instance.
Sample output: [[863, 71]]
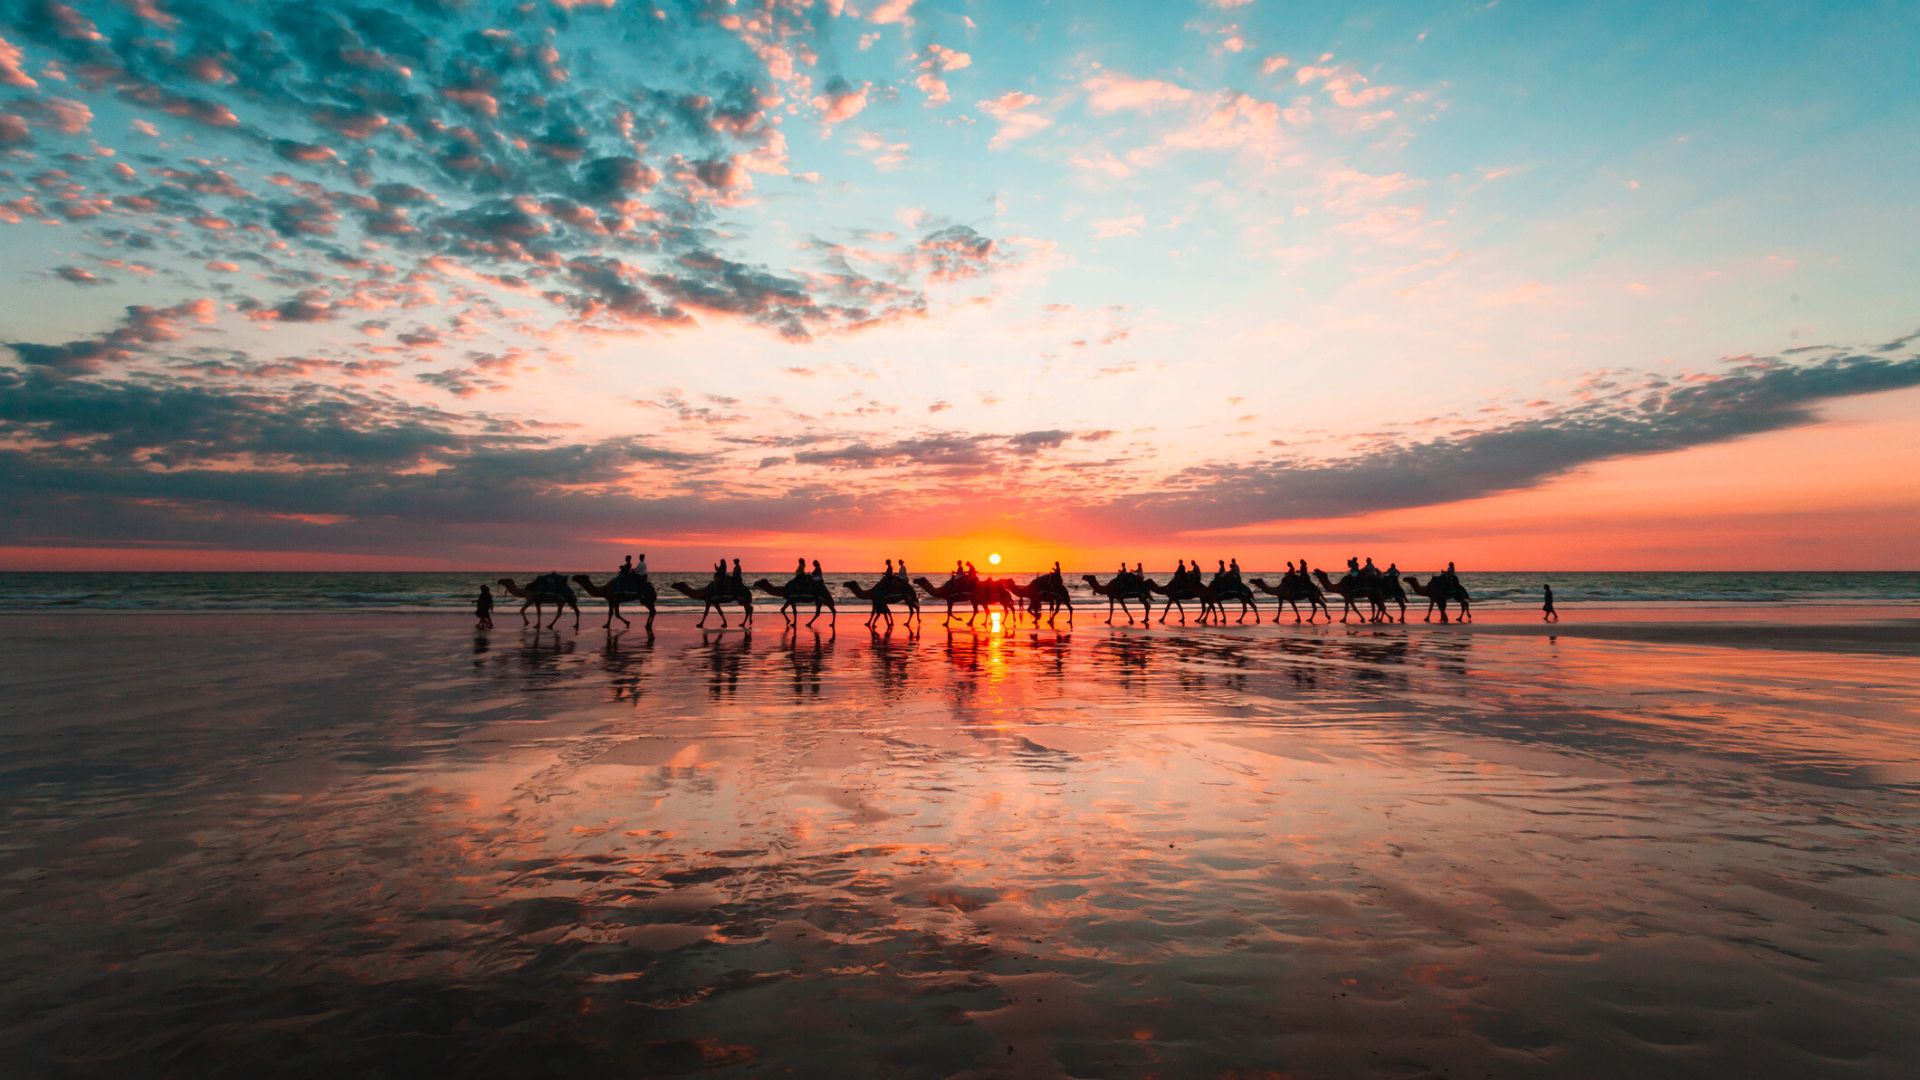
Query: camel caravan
[[1370, 594]]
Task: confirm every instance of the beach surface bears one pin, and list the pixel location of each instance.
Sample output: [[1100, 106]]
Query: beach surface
[[1666, 843]]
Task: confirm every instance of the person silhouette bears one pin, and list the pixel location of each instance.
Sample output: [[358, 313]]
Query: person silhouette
[[483, 609], [1547, 614], [1138, 571], [640, 566], [736, 573], [1370, 570], [901, 574], [972, 574], [1393, 572], [800, 567], [1233, 567], [887, 578], [626, 567], [818, 578], [1353, 566]]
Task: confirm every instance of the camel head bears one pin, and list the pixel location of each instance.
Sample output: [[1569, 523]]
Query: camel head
[[586, 583], [697, 594], [765, 586]]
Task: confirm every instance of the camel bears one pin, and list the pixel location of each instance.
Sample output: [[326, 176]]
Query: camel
[[896, 591], [1440, 589], [1176, 596], [989, 593], [1119, 591], [951, 591], [794, 592], [1217, 592], [876, 599], [1350, 587], [1293, 590], [618, 590], [1043, 590], [545, 589], [716, 594], [1392, 590], [1210, 597]]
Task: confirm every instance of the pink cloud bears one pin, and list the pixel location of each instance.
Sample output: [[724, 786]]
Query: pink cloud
[[839, 106], [1110, 228], [1110, 93], [13, 67], [889, 12], [1009, 109]]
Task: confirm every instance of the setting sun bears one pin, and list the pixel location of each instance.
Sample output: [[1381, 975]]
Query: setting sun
[[993, 559]]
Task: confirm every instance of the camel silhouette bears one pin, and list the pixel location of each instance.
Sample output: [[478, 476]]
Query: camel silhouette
[[1119, 592], [1290, 592], [797, 591], [957, 590], [618, 590], [1043, 590], [896, 592], [545, 589], [1351, 588], [1210, 596], [715, 595], [1438, 591]]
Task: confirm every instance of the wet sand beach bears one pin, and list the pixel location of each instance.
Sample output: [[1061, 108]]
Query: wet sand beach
[[1672, 844]]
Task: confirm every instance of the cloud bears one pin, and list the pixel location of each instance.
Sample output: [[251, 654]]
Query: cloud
[[13, 71], [1619, 419], [841, 101], [1109, 93], [1010, 110], [139, 328]]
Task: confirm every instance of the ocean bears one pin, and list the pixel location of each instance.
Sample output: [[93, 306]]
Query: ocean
[[401, 592]]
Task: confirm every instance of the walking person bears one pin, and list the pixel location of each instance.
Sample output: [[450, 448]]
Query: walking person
[[1547, 614], [483, 609]]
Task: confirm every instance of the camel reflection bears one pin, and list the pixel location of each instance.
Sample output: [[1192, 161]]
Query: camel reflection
[[624, 663], [725, 654], [815, 666], [808, 660]]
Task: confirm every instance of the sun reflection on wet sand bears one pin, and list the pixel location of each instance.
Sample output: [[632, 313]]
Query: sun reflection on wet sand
[[1349, 850]]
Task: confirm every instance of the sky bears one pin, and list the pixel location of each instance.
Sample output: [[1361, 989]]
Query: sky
[[459, 284]]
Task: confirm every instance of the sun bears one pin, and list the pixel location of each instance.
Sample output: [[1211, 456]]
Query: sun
[[993, 559]]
